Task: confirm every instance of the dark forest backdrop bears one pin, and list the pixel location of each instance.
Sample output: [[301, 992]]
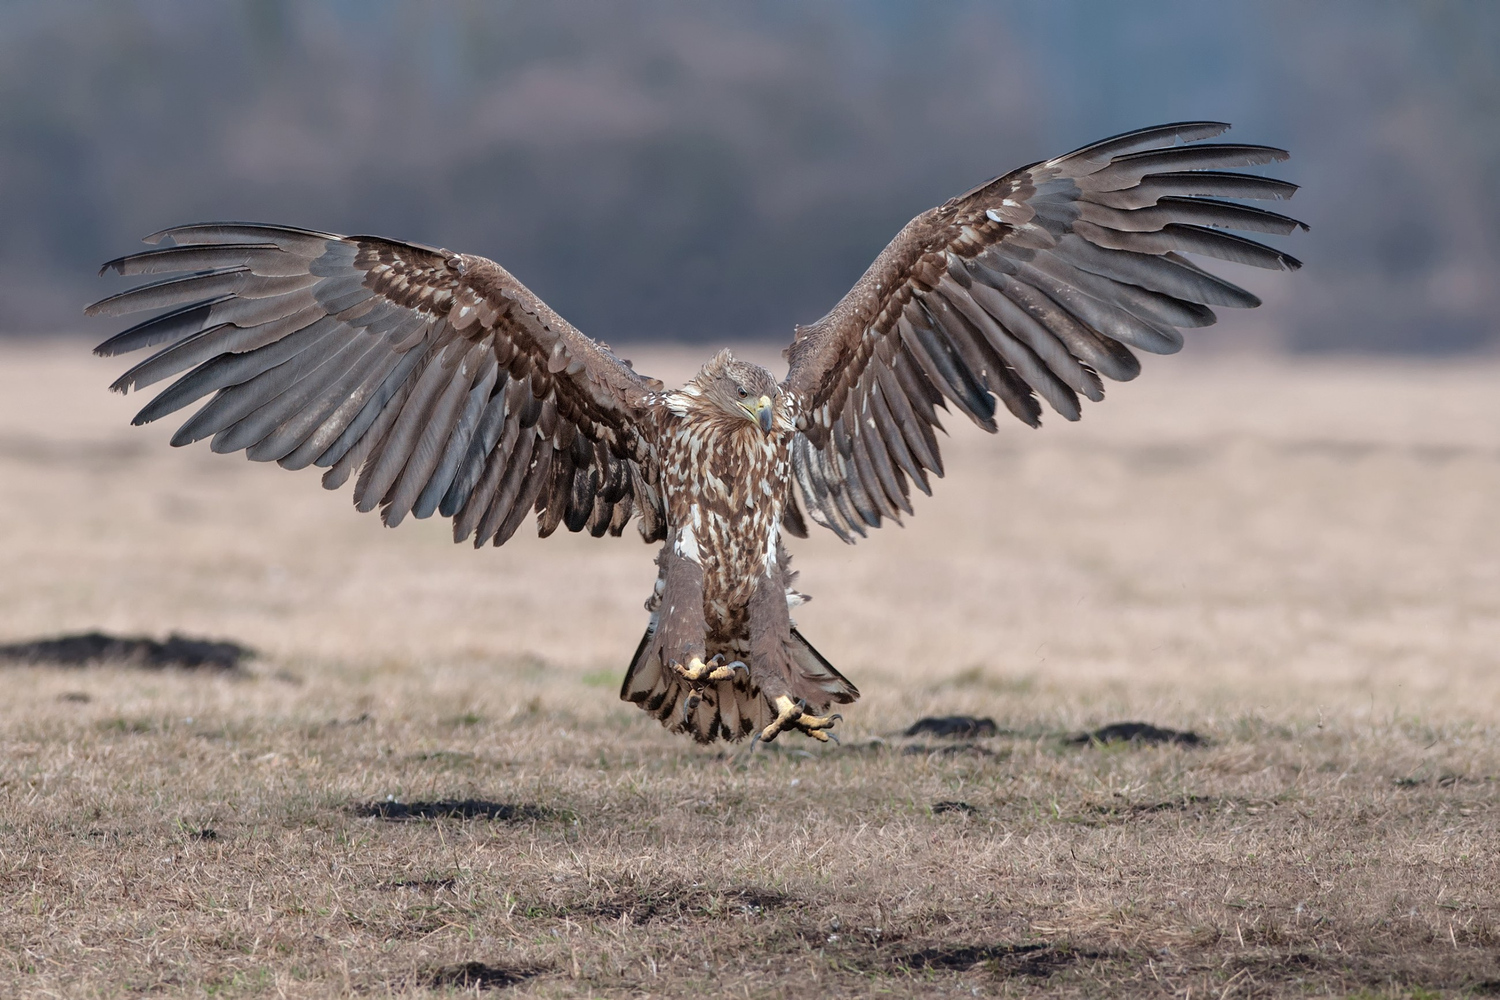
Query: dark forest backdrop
[[712, 171]]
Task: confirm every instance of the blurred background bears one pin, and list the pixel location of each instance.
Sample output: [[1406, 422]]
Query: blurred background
[[703, 172]]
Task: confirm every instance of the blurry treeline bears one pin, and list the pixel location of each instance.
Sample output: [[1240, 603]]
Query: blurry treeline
[[723, 170]]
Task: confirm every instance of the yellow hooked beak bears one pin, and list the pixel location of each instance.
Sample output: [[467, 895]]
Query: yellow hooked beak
[[762, 412]]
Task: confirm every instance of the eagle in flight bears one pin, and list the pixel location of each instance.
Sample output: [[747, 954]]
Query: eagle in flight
[[443, 385]]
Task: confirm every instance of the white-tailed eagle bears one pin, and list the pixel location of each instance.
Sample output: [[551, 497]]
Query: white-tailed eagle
[[442, 385]]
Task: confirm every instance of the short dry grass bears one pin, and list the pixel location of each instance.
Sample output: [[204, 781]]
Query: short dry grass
[[1300, 563]]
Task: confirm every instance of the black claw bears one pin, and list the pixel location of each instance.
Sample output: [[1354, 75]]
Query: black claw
[[689, 706], [832, 736]]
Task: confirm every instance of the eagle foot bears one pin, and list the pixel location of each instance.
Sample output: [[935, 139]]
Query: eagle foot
[[715, 670], [793, 715]]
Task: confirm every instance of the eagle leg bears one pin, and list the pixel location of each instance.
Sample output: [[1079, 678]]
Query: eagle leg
[[793, 715], [682, 632], [782, 683]]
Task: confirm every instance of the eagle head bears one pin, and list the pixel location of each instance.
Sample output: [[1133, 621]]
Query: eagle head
[[738, 389]]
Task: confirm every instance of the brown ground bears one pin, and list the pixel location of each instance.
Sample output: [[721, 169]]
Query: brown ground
[[1301, 563]]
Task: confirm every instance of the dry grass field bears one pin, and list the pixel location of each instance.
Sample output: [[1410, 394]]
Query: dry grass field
[[1299, 562]]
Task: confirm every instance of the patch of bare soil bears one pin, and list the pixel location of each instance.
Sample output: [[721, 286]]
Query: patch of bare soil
[[504, 812], [952, 726], [85, 648], [470, 976], [1136, 732]]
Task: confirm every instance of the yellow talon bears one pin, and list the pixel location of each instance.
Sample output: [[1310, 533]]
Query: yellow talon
[[793, 715], [727, 671], [695, 670], [715, 670]]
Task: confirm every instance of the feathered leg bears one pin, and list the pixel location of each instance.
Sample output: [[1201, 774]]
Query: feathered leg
[[668, 676], [776, 673]]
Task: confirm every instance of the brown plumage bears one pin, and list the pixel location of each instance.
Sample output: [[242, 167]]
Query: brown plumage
[[448, 387]]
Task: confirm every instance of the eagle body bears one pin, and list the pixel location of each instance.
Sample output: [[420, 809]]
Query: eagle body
[[442, 385], [725, 483]]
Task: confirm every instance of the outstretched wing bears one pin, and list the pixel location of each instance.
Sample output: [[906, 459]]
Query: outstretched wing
[[442, 379], [1034, 284]]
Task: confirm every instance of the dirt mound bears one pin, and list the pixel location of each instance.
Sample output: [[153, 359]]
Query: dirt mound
[[84, 648]]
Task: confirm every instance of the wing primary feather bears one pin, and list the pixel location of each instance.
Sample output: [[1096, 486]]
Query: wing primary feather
[[1194, 239], [1154, 307], [308, 382], [1188, 211], [262, 258], [1004, 323], [303, 242], [210, 283], [1125, 170], [198, 348], [1072, 289], [1145, 268], [237, 402], [1156, 135], [231, 369], [189, 319], [1206, 183], [1106, 356]]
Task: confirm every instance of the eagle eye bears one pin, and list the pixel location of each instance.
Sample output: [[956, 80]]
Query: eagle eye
[[741, 390]]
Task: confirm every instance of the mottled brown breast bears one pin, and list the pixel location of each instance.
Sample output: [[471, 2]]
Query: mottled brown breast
[[725, 482]]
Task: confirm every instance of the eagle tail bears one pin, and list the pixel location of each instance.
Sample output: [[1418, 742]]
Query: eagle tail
[[816, 680], [731, 709], [726, 711]]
